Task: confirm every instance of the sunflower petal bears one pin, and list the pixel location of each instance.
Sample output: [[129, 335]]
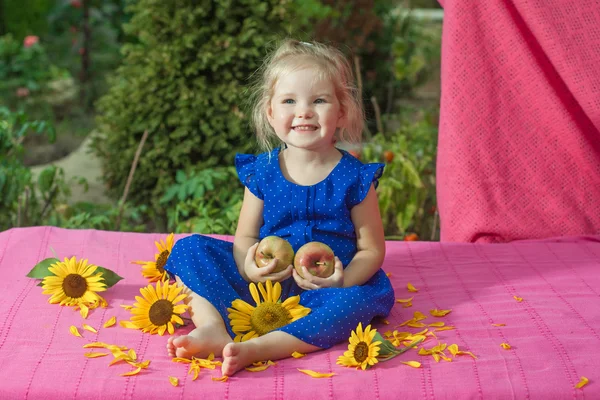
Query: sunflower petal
[[74, 331], [134, 372], [110, 322], [315, 374], [254, 293]]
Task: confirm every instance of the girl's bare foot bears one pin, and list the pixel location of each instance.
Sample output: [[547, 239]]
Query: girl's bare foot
[[199, 343], [237, 356]]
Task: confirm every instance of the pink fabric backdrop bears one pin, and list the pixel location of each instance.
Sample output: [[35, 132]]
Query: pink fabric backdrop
[[519, 141], [554, 331]]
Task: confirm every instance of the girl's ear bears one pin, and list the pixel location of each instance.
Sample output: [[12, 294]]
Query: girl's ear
[[269, 111], [342, 118]]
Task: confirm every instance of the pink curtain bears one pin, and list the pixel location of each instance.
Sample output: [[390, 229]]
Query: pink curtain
[[519, 141]]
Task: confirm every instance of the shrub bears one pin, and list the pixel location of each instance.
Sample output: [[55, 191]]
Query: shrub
[[207, 201], [184, 83], [24, 201], [406, 191], [25, 70]]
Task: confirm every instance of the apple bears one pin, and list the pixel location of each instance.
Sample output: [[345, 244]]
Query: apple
[[317, 257], [274, 247]]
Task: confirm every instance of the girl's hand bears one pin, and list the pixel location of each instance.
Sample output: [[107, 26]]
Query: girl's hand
[[256, 274], [310, 282]]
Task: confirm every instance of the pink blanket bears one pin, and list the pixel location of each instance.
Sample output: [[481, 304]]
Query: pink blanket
[[519, 140], [554, 331]]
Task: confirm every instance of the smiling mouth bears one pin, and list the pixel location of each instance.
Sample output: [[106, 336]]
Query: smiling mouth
[[304, 128]]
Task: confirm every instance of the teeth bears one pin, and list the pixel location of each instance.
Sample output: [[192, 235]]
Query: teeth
[[305, 128]]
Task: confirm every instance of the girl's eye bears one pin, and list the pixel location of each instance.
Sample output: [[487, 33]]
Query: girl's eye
[[320, 101], [288, 101]]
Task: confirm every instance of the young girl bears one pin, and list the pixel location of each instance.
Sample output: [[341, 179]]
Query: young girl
[[305, 190]]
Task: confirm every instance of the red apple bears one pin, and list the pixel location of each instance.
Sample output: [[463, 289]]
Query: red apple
[[317, 257], [274, 247]]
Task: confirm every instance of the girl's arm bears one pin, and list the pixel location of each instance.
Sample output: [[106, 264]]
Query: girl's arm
[[246, 242], [247, 232], [370, 241]]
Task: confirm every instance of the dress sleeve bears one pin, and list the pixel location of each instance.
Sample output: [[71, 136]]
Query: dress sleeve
[[369, 174], [245, 165]]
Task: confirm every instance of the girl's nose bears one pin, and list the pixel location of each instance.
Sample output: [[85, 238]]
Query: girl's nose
[[304, 112]]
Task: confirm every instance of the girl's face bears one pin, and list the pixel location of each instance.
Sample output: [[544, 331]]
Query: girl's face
[[304, 110]]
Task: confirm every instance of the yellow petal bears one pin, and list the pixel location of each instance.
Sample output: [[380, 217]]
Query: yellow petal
[[439, 313], [174, 381], [404, 300], [95, 355], [445, 328], [386, 322], [110, 322], [416, 324], [257, 369], [411, 288], [584, 381], [84, 310], [254, 293], [181, 360], [498, 324], [388, 274], [74, 331], [505, 346], [89, 328], [316, 374], [519, 299], [453, 349], [125, 306], [437, 324], [134, 372], [406, 305], [221, 379], [414, 364], [131, 353], [128, 324], [95, 345], [419, 316], [297, 355]]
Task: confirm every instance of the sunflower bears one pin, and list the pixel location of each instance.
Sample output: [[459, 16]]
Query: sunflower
[[362, 351], [157, 310], [73, 283], [155, 270], [248, 322]]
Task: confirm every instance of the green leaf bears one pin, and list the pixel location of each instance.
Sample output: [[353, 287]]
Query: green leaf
[[40, 271], [397, 351], [110, 278], [386, 347]]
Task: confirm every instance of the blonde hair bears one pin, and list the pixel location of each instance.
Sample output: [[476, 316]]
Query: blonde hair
[[292, 55]]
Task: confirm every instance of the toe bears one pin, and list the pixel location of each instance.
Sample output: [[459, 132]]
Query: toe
[[181, 341]]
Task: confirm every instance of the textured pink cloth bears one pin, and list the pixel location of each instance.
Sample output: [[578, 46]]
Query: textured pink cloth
[[554, 332], [519, 141]]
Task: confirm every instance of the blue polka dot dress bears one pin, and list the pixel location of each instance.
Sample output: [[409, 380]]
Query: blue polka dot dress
[[300, 214]]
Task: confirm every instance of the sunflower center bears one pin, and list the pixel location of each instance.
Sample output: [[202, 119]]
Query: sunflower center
[[162, 260], [74, 285], [269, 316], [160, 312], [361, 352]]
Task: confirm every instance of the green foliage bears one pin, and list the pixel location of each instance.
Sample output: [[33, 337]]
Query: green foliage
[[206, 201], [406, 190], [415, 50], [24, 201], [65, 40], [24, 17], [25, 67], [183, 82]]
